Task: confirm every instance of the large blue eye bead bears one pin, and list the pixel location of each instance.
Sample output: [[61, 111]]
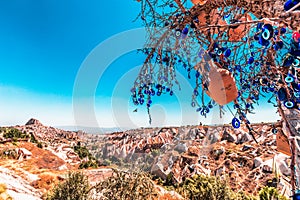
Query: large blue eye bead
[[289, 79], [297, 94], [296, 62], [282, 96], [267, 32], [236, 123], [289, 104]]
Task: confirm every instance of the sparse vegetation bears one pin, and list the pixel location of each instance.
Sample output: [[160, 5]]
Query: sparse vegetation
[[76, 186], [8, 154], [14, 134], [127, 186], [82, 151], [270, 193], [88, 164], [3, 194]]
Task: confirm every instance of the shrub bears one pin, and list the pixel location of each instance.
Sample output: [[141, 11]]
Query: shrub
[[201, 187], [270, 193], [39, 145], [76, 186], [3, 194], [82, 152], [9, 153], [90, 163], [127, 186], [14, 134]]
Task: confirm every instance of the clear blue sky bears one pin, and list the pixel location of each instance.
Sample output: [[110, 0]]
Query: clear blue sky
[[44, 43]]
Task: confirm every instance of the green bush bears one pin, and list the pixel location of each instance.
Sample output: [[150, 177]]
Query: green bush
[[270, 193], [126, 186], [82, 152], [90, 163], [201, 187], [76, 187], [14, 134], [39, 145]]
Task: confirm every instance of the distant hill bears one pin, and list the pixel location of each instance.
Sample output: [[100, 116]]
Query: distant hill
[[92, 130]]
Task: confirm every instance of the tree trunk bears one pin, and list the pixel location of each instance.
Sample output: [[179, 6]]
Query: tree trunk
[[291, 126]]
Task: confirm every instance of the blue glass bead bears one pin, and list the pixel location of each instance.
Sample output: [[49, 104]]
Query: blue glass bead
[[210, 106], [198, 109], [193, 104], [235, 123], [219, 52], [197, 74], [297, 94], [282, 96], [158, 93], [289, 79], [227, 53], [238, 67], [263, 42], [171, 93], [267, 31], [276, 32], [196, 93], [296, 62], [177, 33], [282, 30], [289, 104], [185, 31], [168, 89], [171, 5], [290, 4], [256, 37], [296, 196], [259, 26], [251, 60]]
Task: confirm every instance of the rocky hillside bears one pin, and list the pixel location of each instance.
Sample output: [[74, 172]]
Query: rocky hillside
[[34, 157], [177, 153]]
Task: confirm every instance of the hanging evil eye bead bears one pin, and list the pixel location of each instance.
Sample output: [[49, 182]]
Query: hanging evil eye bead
[[282, 30], [219, 52], [185, 32], [289, 60], [274, 131], [289, 79], [267, 32], [278, 45], [290, 4], [193, 104], [236, 123], [289, 104], [297, 94], [177, 33], [227, 53], [263, 42], [282, 96], [216, 50], [296, 62], [251, 60]]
